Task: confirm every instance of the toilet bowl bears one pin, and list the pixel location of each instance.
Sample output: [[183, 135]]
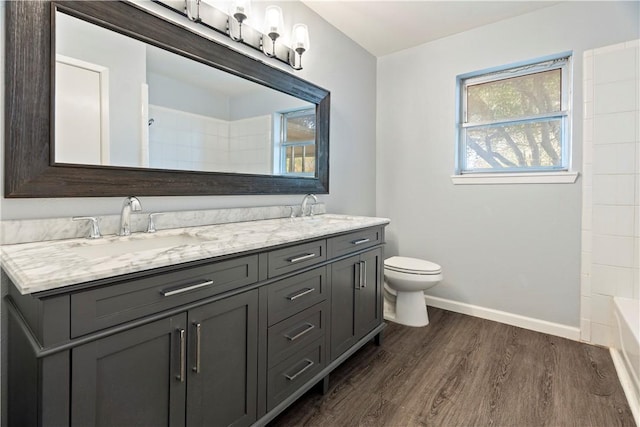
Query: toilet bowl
[[405, 280]]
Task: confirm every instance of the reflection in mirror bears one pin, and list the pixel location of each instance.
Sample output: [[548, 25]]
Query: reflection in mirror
[[122, 102]]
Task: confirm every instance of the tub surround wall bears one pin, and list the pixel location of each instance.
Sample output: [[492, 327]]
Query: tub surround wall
[[611, 187], [513, 250]]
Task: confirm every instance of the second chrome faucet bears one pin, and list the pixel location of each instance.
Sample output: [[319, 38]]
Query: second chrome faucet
[[130, 204], [303, 206]]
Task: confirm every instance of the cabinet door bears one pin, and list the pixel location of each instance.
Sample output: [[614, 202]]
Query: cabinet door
[[133, 378], [345, 278], [223, 362], [368, 308]]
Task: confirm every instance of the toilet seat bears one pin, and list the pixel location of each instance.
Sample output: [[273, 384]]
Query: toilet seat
[[408, 265]]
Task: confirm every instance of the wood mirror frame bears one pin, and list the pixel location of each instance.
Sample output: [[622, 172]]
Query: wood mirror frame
[[29, 115]]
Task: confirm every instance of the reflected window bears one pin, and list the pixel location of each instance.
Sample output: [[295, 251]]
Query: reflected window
[[297, 148]]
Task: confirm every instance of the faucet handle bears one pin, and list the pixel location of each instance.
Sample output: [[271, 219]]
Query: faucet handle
[[151, 226], [95, 228]]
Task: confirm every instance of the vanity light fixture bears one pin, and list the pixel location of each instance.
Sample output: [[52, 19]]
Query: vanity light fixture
[[234, 25]]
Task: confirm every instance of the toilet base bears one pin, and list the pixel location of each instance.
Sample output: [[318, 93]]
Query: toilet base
[[409, 309]]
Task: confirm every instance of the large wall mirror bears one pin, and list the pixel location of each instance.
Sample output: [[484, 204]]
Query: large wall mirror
[[105, 99]]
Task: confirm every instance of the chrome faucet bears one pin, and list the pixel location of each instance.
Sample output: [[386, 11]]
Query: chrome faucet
[[303, 206], [131, 203]]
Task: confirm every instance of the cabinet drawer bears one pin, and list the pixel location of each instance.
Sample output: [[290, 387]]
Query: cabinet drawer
[[288, 375], [296, 332], [290, 296], [101, 308], [361, 239], [285, 260]]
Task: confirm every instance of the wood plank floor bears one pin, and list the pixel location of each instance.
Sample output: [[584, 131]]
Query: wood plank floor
[[465, 371]]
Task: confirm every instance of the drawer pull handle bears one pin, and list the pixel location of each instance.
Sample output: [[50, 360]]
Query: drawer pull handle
[[301, 258], [301, 371], [183, 351], [179, 290], [196, 368], [299, 334], [360, 241], [301, 294]]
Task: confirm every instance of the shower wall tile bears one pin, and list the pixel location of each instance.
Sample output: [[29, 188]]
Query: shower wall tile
[[611, 185], [615, 97], [601, 334], [614, 128], [616, 65]]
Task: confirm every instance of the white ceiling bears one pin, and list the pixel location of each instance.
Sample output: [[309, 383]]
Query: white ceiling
[[386, 26]]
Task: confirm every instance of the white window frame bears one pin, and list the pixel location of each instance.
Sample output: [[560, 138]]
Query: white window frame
[[280, 151], [555, 174]]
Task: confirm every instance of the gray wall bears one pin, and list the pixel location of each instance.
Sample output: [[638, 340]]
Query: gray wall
[[263, 102], [514, 248], [180, 95], [126, 60]]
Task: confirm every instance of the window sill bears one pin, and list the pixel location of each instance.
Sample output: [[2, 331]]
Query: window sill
[[515, 178]]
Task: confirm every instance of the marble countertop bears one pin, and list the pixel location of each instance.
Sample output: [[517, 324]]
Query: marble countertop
[[40, 266]]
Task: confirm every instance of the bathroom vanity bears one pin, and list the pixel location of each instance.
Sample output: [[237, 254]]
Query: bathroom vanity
[[214, 326]]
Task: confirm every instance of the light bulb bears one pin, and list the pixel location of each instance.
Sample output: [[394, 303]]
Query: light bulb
[[300, 38], [273, 22]]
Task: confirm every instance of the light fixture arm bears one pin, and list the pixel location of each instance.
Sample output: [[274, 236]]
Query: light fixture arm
[[293, 53], [192, 10]]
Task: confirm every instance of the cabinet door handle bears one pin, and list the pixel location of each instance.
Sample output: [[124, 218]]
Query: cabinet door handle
[[360, 241], [308, 329], [364, 273], [183, 351], [178, 290], [301, 371], [301, 258], [198, 327], [360, 275], [300, 294]]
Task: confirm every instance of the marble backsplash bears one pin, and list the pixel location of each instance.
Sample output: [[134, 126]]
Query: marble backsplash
[[38, 230]]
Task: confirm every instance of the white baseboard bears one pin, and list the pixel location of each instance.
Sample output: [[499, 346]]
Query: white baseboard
[[564, 331], [627, 384]]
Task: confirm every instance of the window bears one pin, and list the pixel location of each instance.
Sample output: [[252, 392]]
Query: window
[[297, 151], [515, 119]]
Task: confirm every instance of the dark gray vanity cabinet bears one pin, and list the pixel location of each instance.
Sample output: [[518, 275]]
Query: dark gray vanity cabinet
[[296, 336], [131, 378], [356, 299], [229, 341], [222, 362], [147, 376]]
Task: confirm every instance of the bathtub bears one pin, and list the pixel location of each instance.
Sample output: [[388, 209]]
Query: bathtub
[[626, 349]]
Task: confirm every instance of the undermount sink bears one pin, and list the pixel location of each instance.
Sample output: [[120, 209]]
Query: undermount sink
[[324, 219], [115, 247]]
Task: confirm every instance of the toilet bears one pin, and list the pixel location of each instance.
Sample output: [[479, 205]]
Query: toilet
[[405, 280]]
